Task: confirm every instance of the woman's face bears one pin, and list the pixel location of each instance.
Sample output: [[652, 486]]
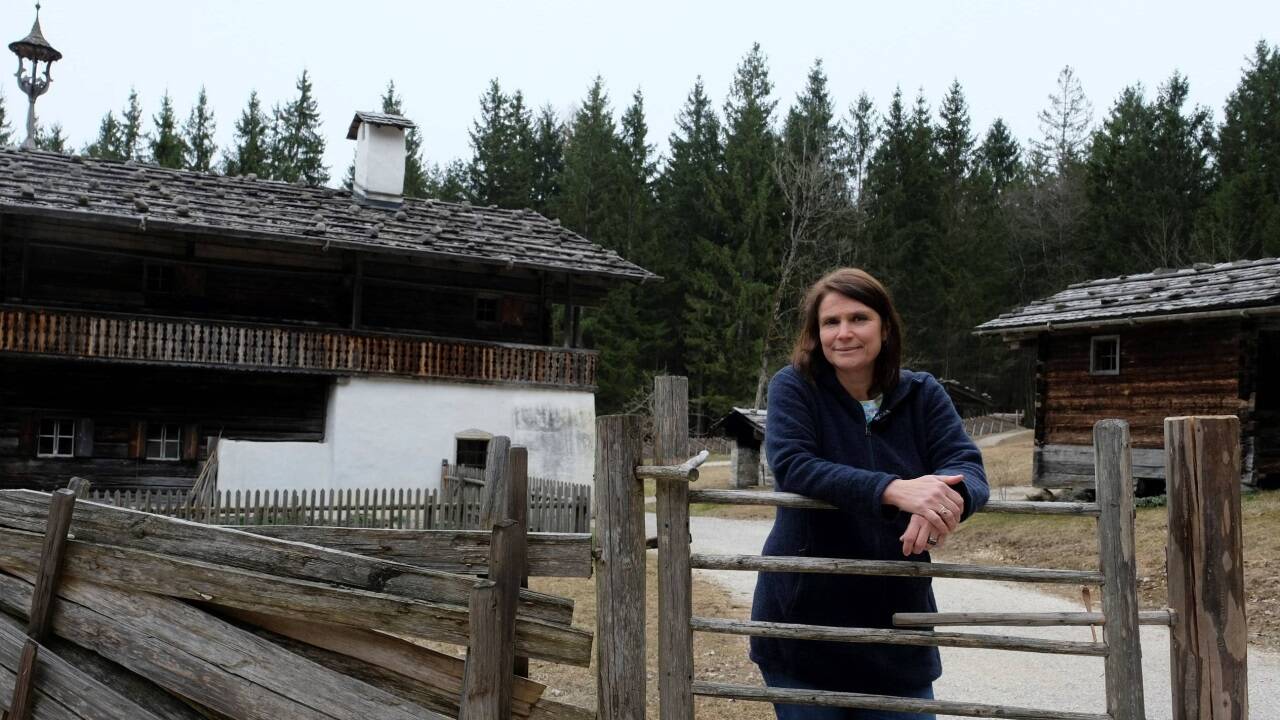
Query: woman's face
[[851, 334]]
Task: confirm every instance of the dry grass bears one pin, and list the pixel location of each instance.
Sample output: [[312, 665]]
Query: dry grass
[[719, 658], [1008, 463]]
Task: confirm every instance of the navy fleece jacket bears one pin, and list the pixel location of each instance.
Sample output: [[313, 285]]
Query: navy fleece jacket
[[819, 444]]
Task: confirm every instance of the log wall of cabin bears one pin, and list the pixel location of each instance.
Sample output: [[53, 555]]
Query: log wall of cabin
[[44, 262], [1165, 370], [117, 401]]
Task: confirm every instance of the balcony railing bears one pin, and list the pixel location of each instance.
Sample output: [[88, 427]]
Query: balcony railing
[[210, 344]]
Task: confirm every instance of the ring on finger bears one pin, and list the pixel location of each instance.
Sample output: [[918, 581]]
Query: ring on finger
[[942, 510], [932, 540]]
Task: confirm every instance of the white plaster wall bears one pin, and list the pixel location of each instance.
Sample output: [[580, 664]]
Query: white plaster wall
[[380, 157], [394, 433]]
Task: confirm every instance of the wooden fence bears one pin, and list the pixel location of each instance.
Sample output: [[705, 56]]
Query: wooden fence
[[1206, 582], [553, 506], [983, 425]]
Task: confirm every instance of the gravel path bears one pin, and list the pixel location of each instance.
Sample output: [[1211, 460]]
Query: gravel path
[[1030, 680]]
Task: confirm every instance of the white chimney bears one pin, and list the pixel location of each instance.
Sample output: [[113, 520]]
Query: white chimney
[[380, 151]]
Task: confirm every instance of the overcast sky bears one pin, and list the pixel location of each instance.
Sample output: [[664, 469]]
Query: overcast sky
[[441, 55]]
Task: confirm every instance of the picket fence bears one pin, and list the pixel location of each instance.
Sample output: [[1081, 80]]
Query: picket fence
[[554, 506]]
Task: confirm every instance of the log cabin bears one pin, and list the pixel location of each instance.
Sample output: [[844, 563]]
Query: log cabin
[[1203, 340], [320, 337]]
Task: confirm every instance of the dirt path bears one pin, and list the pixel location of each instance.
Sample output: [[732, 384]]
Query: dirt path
[[1030, 680]]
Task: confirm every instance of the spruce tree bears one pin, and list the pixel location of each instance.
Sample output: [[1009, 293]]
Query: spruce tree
[[131, 135], [1148, 178], [548, 160], [689, 229], [589, 182], [250, 146], [999, 157], [297, 144], [860, 133], [198, 135], [51, 138], [6, 132], [501, 169], [811, 130], [166, 145], [1064, 125], [109, 145], [1245, 217]]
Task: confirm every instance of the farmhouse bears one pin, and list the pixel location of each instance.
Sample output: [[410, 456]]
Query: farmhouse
[[328, 338], [1203, 340]]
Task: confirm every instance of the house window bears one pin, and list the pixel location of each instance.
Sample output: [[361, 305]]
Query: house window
[[159, 278], [1104, 355], [472, 453], [163, 441], [486, 310], [57, 438]]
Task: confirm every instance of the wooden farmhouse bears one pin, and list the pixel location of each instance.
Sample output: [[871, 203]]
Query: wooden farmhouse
[[748, 465], [1203, 340], [328, 338]]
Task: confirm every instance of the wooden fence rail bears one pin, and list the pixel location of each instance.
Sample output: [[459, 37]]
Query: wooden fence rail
[[553, 506]]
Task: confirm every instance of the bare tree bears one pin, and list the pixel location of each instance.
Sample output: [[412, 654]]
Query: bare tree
[[817, 200]]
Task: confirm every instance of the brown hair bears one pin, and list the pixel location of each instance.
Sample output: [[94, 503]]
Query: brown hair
[[855, 284]]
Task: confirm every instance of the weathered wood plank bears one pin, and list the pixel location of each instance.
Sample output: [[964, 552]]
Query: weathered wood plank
[[882, 702], [901, 568], [197, 656], [75, 693], [482, 695], [620, 570], [125, 528], [894, 636], [245, 589], [1118, 560], [1209, 643], [675, 577], [1046, 619], [551, 554], [792, 500], [436, 677]]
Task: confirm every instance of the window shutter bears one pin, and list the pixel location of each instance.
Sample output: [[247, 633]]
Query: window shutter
[[84, 437], [137, 439], [190, 442], [27, 436]]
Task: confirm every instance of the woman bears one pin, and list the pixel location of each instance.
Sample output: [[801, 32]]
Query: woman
[[884, 445]]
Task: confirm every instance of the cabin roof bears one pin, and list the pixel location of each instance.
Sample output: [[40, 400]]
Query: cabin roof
[[136, 195], [1202, 290]]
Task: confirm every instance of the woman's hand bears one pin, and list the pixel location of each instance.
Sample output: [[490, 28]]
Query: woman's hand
[[916, 539], [931, 499]]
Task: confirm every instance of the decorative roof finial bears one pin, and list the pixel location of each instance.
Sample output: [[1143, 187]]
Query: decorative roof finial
[[34, 49]]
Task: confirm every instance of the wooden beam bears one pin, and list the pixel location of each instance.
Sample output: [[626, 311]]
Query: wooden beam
[[620, 570], [453, 551], [173, 644], [894, 636], [792, 500], [900, 568], [675, 577], [143, 571], [481, 685], [511, 565], [65, 691], [882, 702], [1045, 619], [1209, 644], [1118, 560], [125, 528]]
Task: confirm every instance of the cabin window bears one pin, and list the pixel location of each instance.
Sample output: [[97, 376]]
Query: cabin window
[[472, 453], [57, 438], [164, 441], [487, 309], [1104, 355], [158, 278]]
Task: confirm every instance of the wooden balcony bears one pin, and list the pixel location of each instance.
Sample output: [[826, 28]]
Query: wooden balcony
[[270, 348]]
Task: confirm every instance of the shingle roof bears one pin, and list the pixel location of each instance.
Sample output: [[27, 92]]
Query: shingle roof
[[147, 196], [1204, 287], [377, 118]]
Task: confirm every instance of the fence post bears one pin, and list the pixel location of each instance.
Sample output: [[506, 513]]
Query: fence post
[[493, 498], [675, 578], [1205, 562], [484, 668], [1113, 471], [517, 508], [620, 570]]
